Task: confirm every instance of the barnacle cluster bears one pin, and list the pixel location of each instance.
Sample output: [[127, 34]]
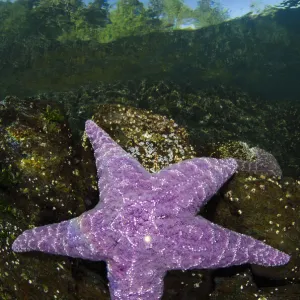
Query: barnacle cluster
[[153, 139]]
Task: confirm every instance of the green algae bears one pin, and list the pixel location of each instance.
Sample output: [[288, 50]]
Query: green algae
[[236, 149]]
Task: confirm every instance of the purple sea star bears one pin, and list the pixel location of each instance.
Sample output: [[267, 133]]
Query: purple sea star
[[146, 224]]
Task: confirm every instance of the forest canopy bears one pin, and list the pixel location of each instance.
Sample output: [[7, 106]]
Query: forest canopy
[[290, 3], [65, 20], [31, 29]]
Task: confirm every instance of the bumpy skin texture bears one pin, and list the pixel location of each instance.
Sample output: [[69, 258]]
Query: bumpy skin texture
[[146, 224]]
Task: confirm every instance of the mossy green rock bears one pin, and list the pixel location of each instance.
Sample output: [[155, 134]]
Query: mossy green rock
[[268, 209], [39, 184]]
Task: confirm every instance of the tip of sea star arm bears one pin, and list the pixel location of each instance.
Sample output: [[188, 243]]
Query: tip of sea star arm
[[37, 239], [74, 238], [19, 245], [245, 249], [91, 129], [241, 248], [217, 247], [102, 143], [112, 161], [266, 255], [89, 124]]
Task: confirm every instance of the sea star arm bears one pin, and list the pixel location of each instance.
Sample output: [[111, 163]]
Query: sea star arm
[[135, 280], [204, 245], [117, 170], [191, 183], [76, 238]]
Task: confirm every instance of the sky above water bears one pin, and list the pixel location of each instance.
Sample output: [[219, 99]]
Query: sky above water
[[236, 7], [240, 7]]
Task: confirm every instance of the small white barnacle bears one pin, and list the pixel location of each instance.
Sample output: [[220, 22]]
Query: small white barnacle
[[147, 239]]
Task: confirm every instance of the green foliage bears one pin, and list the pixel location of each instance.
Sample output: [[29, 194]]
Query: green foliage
[[96, 14], [13, 20], [206, 15], [290, 3], [68, 19], [155, 8], [176, 12], [29, 27], [128, 19], [15, 30]]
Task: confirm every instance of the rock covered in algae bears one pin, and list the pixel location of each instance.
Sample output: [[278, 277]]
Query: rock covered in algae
[[124, 124], [258, 202], [268, 209], [36, 157], [39, 183], [252, 160], [153, 139], [216, 114]]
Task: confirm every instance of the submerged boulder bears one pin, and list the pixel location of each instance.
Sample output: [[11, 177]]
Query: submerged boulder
[[47, 176]]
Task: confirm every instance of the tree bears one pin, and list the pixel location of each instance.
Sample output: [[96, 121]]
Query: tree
[[154, 13], [127, 19], [155, 8], [15, 33], [204, 5], [66, 20], [29, 4], [96, 13], [175, 13], [13, 18], [290, 3], [209, 13]]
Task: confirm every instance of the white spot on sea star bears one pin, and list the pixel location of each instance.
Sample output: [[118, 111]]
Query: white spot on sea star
[[147, 238]]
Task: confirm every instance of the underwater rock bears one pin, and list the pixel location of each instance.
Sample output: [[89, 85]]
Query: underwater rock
[[240, 285], [71, 187], [154, 140], [36, 156], [252, 160], [39, 183], [268, 209], [214, 115]]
